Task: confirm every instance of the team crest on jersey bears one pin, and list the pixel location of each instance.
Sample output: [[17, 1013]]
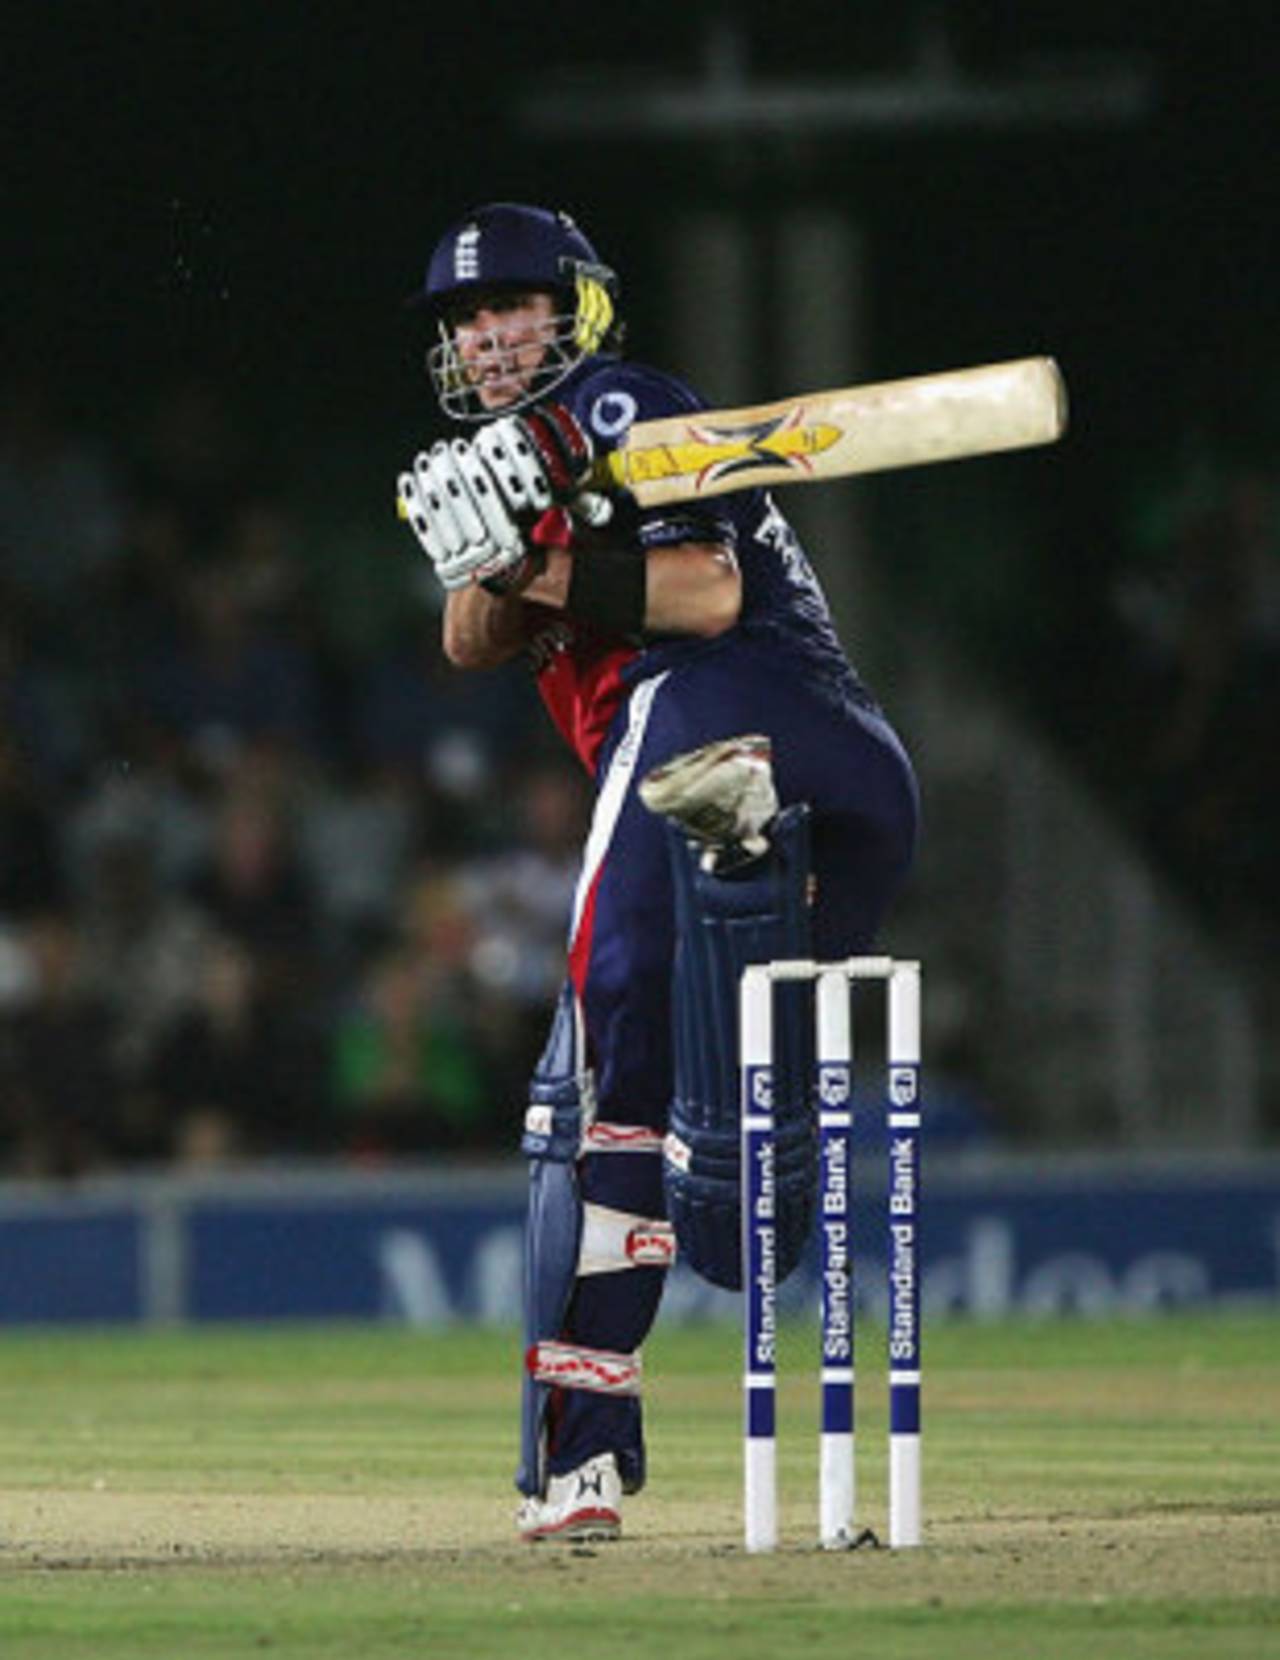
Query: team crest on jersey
[[612, 413]]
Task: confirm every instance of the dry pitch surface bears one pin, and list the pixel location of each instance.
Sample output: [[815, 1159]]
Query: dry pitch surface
[[1090, 1489]]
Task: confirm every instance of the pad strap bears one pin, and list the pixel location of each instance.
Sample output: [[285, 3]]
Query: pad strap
[[618, 1239], [540, 1128], [621, 1138], [571, 1366]]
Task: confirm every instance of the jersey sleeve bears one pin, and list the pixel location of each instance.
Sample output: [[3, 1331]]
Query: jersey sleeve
[[607, 404]]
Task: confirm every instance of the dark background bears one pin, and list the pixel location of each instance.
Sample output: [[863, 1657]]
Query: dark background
[[256, 188], [251, 191]]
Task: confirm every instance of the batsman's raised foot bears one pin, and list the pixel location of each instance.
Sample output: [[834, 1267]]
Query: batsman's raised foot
[[721, 795], [583, 1506]]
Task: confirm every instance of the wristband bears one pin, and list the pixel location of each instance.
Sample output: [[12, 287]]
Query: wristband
[[607, 589]]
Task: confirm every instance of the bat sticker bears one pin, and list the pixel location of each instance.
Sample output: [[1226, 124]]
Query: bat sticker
[[710, 454]]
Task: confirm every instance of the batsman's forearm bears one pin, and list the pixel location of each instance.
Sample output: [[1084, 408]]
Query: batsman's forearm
[[690, 587], [693, 588], [482, 630]]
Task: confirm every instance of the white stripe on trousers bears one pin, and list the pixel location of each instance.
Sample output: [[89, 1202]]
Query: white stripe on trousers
[[613, 793]]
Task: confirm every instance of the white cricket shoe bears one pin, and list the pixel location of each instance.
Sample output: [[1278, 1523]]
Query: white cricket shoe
[[722, 794], [583, 1505]]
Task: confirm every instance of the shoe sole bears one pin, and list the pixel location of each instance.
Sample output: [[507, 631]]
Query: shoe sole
[[583, 1527]]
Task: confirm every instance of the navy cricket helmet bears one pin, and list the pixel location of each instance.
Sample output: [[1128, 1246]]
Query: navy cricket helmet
[[512, 246]]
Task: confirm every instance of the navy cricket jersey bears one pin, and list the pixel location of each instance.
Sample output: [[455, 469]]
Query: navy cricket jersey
[[583, 675]]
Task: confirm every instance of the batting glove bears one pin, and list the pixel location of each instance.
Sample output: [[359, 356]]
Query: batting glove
[[460, 516], [561, 446], [508, 449]]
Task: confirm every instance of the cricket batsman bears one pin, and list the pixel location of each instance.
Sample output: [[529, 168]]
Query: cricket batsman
[[751, 802]]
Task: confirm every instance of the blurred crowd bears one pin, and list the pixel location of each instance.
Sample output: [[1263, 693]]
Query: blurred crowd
[[1197, 688], [276, 881], [261, 893]]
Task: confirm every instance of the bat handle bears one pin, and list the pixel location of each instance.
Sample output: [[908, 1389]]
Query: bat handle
[[592, 508]]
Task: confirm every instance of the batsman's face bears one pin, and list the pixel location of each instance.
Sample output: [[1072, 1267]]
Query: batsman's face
[[501, 339]]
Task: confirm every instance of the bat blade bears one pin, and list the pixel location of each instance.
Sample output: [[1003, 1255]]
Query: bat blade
[[834, 434]]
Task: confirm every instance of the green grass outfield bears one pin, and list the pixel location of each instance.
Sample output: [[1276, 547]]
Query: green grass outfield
[[1091, 1490]]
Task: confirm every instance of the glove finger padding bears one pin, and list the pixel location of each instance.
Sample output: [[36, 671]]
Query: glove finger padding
[[515, 465], [458, 514], [414, 510], [485, 499], [561, 446], [452, 475], [438, 489]]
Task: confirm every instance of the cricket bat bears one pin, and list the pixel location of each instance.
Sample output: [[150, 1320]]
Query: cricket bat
[[824, 435]]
